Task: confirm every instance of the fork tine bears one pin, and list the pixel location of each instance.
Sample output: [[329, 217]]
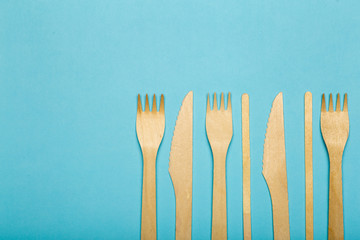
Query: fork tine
[[345, 107], [323, 105], [208, 109], [338, 108], [222, 102], [331, 106], [162, 104], [154, 104], [139, 107], [147, 107], [215, 106], [229, 102]]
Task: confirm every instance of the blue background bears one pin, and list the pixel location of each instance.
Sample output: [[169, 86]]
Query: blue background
[[70, 72]]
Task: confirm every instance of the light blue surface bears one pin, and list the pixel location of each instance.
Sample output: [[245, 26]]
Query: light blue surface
[[70, 72]]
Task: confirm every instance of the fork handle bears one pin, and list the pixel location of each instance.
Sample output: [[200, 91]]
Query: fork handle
[[219, 220], [336, 219], [148, 209]]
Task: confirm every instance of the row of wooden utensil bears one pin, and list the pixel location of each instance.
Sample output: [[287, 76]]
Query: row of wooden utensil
[[150, 129]]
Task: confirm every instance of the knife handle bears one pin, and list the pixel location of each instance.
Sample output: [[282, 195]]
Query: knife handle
[[219, 220], [280, 207], [183, 215], [336, 219], [148, 209]]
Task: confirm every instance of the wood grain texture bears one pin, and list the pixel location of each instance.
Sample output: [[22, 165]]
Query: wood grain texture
[[309, 205], [150, 127], [180, 167], [335, 132], [274, 169], [219, 132], [246, 165]]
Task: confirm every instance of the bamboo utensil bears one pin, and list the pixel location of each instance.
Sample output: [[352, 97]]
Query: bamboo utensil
[[309, 205], [246, 165], [335, 132], [180, 167], [150, 127], [274, 169], [219, 132]]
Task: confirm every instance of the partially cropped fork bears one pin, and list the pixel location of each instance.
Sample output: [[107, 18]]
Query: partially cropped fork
[[219, 132], [150, 127], [335, 132]]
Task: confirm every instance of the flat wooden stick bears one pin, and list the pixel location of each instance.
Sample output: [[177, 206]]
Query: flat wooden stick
[[246, 165], [309, 214]]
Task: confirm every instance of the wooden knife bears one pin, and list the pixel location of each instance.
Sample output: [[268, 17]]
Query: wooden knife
[[180, 167], [274, 169]]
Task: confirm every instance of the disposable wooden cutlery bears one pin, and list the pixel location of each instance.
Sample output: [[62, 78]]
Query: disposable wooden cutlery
[[246, 165], [180, 167], [150, 127], [309, 205], [274, 169], [219, 132], [335, 132]]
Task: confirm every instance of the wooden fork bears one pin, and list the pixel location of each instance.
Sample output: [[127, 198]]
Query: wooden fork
[[150, 127], [219, 132], [335, 132]]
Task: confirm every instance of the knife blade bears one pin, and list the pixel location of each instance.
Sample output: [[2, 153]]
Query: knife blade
[[274, 169], [180, 167]]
